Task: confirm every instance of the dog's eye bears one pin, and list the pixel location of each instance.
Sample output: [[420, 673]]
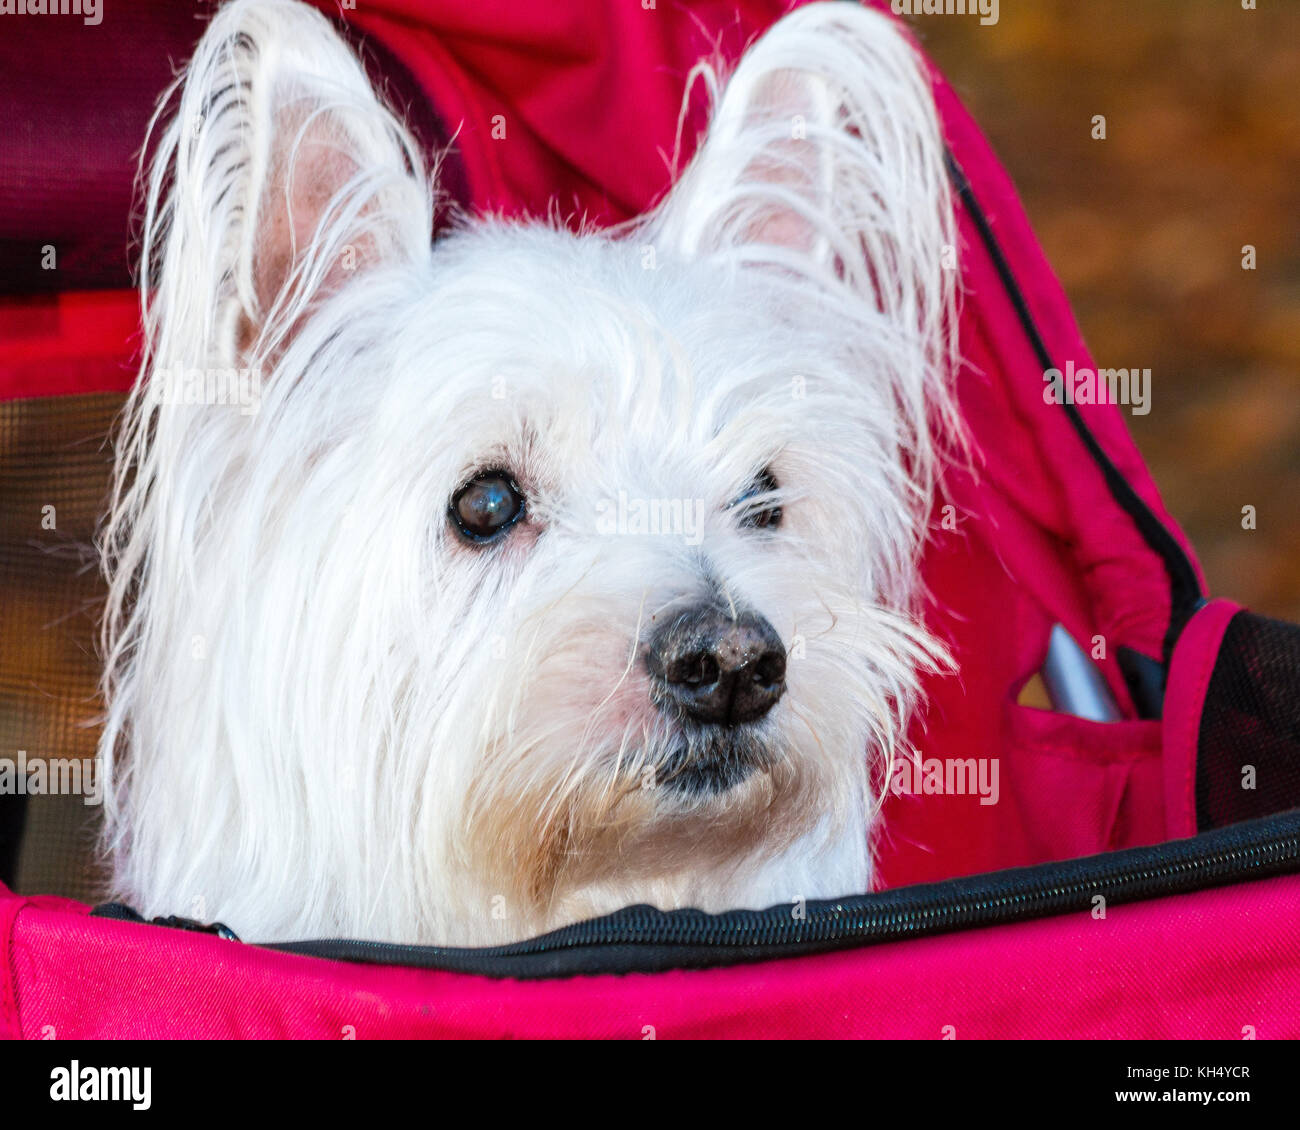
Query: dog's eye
[[487, 505], [758, 517]]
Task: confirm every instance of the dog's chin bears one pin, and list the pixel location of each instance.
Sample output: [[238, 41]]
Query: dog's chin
[[716, 806], [710, 764]]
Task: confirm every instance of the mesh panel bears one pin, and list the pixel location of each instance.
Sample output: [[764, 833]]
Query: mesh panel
[[54, 468], [1249, 743]]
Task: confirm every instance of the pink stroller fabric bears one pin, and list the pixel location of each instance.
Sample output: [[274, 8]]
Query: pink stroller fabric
[[67, 976]]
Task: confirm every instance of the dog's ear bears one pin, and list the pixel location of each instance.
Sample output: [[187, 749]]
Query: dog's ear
[[824, 156], [280, 177], [824, 163]]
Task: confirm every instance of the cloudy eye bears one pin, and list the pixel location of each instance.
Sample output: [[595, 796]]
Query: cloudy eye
[[759, 517], [486, 506]]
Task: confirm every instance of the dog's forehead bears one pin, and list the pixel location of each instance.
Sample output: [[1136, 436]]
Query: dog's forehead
[[552, 316], [593, 360]]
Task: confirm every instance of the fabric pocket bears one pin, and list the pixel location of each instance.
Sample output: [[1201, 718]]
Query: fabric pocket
[[1074, 787]]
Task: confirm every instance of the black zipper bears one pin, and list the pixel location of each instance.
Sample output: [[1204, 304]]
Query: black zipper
[[641, 939]]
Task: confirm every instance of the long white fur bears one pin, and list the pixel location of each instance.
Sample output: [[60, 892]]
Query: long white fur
[[327, 715]]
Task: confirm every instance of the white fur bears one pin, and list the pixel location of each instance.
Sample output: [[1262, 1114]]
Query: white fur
[[327, 714]]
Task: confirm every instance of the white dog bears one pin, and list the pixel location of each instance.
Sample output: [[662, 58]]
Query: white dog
[[547, 572]]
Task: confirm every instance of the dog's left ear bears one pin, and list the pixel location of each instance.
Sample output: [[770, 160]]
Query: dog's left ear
[[824, 163], [281, 177], [824, 156], [824, 166]]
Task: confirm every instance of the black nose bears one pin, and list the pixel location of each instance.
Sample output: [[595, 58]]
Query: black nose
[[715, 668]]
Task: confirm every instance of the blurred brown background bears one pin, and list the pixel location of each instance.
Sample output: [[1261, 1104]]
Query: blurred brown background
[[1145, 229]]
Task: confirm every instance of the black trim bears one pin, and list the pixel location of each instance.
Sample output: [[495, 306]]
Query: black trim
[[642, 939], [1146, 681], [1185, 595], [13, 820]]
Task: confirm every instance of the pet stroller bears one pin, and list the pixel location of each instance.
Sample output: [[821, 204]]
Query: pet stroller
[[1137, 877]]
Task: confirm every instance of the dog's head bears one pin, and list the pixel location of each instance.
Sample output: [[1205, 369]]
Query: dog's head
[[544, 571]]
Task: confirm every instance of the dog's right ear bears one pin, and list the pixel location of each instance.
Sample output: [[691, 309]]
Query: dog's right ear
[[280, 177]]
